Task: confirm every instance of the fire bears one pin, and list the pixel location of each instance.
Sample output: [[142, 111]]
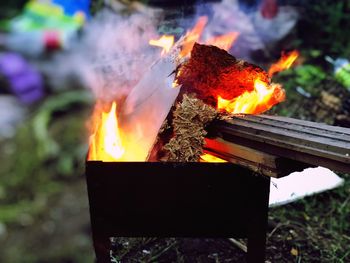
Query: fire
[[284, 62], [193, 36], [211, 159], [106, 142], [264, 96], [224, 42], [166, 42], [257, 101], [261, 99], [110, 142]]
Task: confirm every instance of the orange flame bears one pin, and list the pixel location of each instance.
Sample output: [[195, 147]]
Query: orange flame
[[106, 142], [257, 101], [193, 36], [261, 99], [208, 158], [166, 42], [285, 62], [264, 96], [224, 42]]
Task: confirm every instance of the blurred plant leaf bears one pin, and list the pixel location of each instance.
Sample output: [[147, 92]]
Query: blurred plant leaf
[[47, 146]]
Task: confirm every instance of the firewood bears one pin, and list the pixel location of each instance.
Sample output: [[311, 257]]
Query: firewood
[[303, 141], [212, 72]]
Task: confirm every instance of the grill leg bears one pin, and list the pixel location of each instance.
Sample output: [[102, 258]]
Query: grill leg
[[256, 248], [258, 222], [102, 246]]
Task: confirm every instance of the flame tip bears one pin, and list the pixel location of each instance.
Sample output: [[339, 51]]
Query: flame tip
[[106, 142], [285, 62]]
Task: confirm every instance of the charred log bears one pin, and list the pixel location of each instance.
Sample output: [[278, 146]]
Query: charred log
[[212, 72]]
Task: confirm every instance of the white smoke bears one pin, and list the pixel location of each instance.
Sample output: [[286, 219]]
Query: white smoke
[[110, 57], [115, 53], [117, 63]]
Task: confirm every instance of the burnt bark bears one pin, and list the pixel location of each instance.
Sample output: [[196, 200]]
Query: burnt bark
[[212, 72]]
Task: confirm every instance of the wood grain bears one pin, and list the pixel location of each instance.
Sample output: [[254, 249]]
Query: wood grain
[[277, 139]]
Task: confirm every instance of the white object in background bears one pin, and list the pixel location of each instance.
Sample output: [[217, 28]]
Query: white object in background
[[12, 113], [300, 184]]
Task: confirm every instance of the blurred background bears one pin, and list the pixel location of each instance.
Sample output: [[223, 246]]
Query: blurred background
[[49, 50]]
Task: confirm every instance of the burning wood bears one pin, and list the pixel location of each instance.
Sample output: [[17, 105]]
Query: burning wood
[[213, 82], [142, 113], [255, 160], [227, 83], [190, 119], [211, 75], [140, 118], [217, 82], [212, 72]]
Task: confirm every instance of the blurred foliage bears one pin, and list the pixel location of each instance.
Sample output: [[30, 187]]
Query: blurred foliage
[[49, 146], [307, 76], [11, 8], [323, 26], [8, 10]]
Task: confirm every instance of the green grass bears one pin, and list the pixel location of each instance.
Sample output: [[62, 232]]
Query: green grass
[[317, 226]]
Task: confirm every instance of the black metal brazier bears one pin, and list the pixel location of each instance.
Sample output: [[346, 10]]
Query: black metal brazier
[[149, 199]]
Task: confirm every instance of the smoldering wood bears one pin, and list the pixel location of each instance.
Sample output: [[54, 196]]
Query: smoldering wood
[[211, 72], [306, 142], [255, 160]]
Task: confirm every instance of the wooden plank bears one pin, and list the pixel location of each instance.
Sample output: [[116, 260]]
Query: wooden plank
[[315, 146], [298, 133], [298, 125], [334, 148], [302, 141], [257, 161], [316, 125]]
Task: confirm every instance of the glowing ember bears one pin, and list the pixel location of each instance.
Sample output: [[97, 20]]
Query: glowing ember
[[106, 143], [165, 42], [193, 36], [261, 99], [224, 42], [211, 159], [284, 62]]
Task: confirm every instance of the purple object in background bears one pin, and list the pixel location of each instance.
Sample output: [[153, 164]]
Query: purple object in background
[[25, 81]]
